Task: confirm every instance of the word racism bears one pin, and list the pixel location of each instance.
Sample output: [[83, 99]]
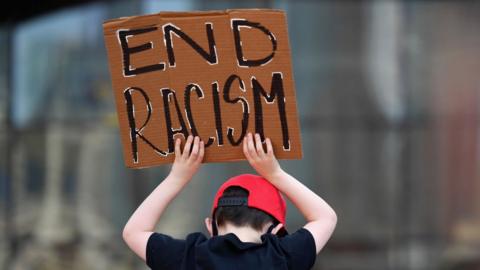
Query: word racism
[[205, 74]]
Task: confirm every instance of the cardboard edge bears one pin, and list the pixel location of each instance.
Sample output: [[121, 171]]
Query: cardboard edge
[[118, 22], [295, 93]]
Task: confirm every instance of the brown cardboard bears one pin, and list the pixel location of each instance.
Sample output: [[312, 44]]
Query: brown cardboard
[[145, 64]]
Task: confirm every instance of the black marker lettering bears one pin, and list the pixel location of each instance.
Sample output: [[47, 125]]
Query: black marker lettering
[[276, 91], [127, 51], [134, 131], [188, 109], [210, 56], [236, 24], [166, 93], [226, 97], [218, 113]]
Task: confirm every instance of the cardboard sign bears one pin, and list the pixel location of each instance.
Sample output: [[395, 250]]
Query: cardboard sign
[[215, 74]]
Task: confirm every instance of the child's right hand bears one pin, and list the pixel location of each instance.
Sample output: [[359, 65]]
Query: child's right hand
[[263, 162]]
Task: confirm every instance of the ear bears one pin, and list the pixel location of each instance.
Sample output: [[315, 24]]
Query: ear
[[277, 228], [208, 224]]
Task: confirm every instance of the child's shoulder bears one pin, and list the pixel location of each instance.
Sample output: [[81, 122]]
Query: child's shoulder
[[221, 252]]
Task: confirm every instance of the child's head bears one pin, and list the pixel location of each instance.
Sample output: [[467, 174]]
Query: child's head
[[248, 201]]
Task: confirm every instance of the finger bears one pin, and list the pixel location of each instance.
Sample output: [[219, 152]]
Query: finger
[[178, 152], [259, 146], [251, 147], [269, 147], [201, 152], [187, 147], [195, 148], [245, 147]]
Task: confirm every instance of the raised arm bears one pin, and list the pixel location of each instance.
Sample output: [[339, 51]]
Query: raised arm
[[143, 221], [321, 219]]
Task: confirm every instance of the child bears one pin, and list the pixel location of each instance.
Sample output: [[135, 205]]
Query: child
[[247, 226]]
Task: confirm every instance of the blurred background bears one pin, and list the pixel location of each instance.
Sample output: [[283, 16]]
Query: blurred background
[[388, 95]]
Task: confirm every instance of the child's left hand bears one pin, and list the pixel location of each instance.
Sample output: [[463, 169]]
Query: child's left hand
[[187, 162], [141, 225]]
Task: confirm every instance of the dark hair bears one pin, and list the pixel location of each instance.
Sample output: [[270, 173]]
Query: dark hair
[[241, 215]]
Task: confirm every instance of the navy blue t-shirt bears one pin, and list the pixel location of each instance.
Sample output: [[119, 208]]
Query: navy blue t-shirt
[[294, 251]]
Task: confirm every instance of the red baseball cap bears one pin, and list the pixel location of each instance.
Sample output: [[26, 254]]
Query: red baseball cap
[[262, 195]]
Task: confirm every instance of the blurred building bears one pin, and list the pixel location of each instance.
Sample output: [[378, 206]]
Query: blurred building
[[388, 94]]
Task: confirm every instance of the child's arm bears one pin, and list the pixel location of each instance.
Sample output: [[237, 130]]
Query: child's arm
[[321, 219], [142, 223]]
